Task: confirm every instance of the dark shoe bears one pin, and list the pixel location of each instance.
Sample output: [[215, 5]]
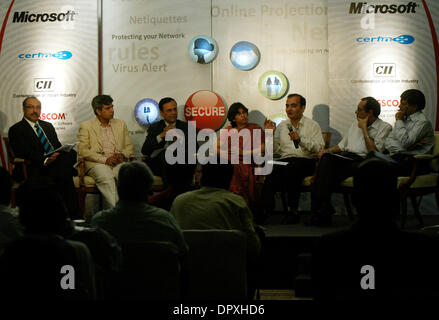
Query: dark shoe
[[319, 220]]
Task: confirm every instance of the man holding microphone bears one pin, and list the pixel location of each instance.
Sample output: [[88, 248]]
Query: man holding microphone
[[297, 140]]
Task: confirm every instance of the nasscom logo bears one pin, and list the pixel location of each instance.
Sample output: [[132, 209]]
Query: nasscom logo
[[402, 39], [61, 55]]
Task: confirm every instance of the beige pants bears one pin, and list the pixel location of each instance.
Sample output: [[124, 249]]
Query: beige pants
[[105, 178]]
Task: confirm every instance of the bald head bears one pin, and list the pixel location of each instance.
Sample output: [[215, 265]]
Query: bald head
[[31, 109]]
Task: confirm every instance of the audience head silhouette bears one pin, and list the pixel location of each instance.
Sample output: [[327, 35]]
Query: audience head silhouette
[[135, 181], [216, 175], [41, 208], [179, 175]]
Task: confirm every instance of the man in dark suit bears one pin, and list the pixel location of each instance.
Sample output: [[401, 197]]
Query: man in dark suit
[[31, 139], [155, 144]]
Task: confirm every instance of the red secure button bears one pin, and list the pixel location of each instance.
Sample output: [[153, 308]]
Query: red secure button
[[206, 108]]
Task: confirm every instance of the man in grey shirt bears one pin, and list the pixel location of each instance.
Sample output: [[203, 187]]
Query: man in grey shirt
[[413, 133]]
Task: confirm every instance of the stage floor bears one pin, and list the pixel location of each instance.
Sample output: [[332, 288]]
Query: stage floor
[[285, 242]]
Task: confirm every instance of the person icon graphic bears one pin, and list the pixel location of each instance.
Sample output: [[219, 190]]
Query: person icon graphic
[[268, 85], [147, 110], [277, 86]]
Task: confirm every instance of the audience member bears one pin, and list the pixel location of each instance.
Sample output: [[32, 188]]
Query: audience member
[[38, 219], [374, 259], [179, 178], [31, 267], [366, 133], [213, 206], [133, 219], [298, 141], [10, 228], [104, 144]]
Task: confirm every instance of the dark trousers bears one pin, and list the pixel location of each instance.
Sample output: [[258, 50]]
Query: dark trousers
[[61, 172], [158, 164], [288, 179], [330, 172]]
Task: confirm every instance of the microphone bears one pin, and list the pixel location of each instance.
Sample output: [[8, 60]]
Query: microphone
[[291, 128]]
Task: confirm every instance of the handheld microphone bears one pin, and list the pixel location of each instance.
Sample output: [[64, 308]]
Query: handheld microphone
[[291, 128]]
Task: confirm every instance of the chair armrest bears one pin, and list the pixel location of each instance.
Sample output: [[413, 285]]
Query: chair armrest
[[415, 161], [19, 161], [81, 171], [424, 157]]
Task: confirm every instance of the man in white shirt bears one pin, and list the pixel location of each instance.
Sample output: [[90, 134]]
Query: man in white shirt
[[367, 133], [413, 132], [298, 140]]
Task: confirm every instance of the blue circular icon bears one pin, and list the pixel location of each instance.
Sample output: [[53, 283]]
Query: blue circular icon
[[147, 112], [245, 55], [404, 39], [203, 49], [63, 55]]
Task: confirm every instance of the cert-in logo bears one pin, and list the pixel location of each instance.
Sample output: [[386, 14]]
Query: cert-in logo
[[61, 55], [273, 85], [203, 49], [402, 39], [245, 55], [147, 112]]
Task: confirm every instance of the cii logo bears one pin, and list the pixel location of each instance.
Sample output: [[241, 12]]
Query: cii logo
[[61, 55], [44, 84], [402, 39], [384, 70]]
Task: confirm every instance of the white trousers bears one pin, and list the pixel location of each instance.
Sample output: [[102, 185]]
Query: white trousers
[[105, 178]]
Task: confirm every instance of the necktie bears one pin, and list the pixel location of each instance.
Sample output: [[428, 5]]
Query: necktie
[[42, 137]]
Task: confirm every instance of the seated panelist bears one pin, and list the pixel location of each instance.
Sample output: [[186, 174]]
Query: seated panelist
[[413, 133], [367, 133], [155, 144], [104, 144], [32, 139]]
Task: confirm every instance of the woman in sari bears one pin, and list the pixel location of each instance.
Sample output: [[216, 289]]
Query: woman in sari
[[241, 141]]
